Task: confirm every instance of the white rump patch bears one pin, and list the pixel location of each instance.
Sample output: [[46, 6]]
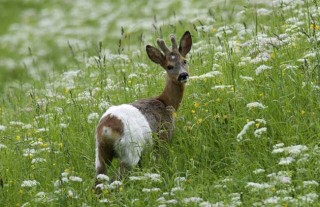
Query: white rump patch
[[136, 133]]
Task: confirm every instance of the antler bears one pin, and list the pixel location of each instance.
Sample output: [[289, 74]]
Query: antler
[[174, 43], [163, 46]]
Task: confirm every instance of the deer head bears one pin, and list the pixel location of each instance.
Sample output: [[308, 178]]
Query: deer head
[[173, 61]]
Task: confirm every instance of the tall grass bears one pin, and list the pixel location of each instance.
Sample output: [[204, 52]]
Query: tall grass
[[247, 133]]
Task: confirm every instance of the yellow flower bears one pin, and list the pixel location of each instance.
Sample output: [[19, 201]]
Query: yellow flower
[[199, 121], [314, 27], [218, 100], [213, 30], [193, 111], [302, 112], [18, 138], [258, 125], [196, 104]]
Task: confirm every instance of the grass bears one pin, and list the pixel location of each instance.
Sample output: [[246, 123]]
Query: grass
[[247, 134]]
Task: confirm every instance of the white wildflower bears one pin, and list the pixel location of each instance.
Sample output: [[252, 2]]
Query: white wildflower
[[148, 190], [16, 123], [277, 151], [258, 186], [29, 183], [263, 12], [64, 174], [256, 105], [179, 180], [286, 160], [26, 204], [235, 199], [261, 57], [27, 126], [272, 200], [192, 200], [207, 204], [42, 130], [104, 200], [175, 189], [115, 184], [133, 178], [217, 87], [29, 152], [262, 68], [258, 171], [102, 186], [2, 128], [172, 201], [161, 199], [246, 78], [104, 105], [71, 194], [64, 180], [310, 183], [41, 194], [92, 117], [75, 179], [2, 146], [296, 149], [279, 145], [261, 121], [63, 125], [153, 177], [38, 160], [311, 54], [103, 177], [84, 96], [244, 130], [258, 132], [207, 75], [283, 177], [309, 198]]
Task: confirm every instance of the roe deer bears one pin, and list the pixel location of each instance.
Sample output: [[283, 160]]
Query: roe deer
[[125, 130]]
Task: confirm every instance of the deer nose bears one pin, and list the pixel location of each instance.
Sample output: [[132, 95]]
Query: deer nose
[[183, 77]]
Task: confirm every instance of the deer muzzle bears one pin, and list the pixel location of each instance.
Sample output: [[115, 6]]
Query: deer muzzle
[[183, 77]]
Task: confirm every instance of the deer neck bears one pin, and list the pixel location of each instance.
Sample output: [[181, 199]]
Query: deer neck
[[172, 94]]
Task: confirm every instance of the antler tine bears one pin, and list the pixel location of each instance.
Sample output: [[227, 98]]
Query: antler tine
[[174, 42], [163, 46]]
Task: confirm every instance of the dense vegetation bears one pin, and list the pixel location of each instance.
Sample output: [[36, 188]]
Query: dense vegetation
[[247, 132]]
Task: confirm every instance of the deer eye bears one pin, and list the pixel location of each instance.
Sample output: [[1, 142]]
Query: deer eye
[[184, 61], [169, 67]]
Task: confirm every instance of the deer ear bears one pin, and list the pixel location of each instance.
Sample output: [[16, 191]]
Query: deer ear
[[155, 55], [185, 44]]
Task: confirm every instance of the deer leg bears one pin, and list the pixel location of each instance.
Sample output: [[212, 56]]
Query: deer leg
[[104, 156]]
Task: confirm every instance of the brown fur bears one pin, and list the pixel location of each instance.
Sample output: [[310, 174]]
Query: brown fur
[[112, 123], [158, 115]]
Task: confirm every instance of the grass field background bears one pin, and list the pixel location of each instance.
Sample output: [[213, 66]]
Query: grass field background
[[247, 132]]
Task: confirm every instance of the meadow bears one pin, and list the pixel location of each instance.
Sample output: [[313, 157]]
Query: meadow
[[247, 132]]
